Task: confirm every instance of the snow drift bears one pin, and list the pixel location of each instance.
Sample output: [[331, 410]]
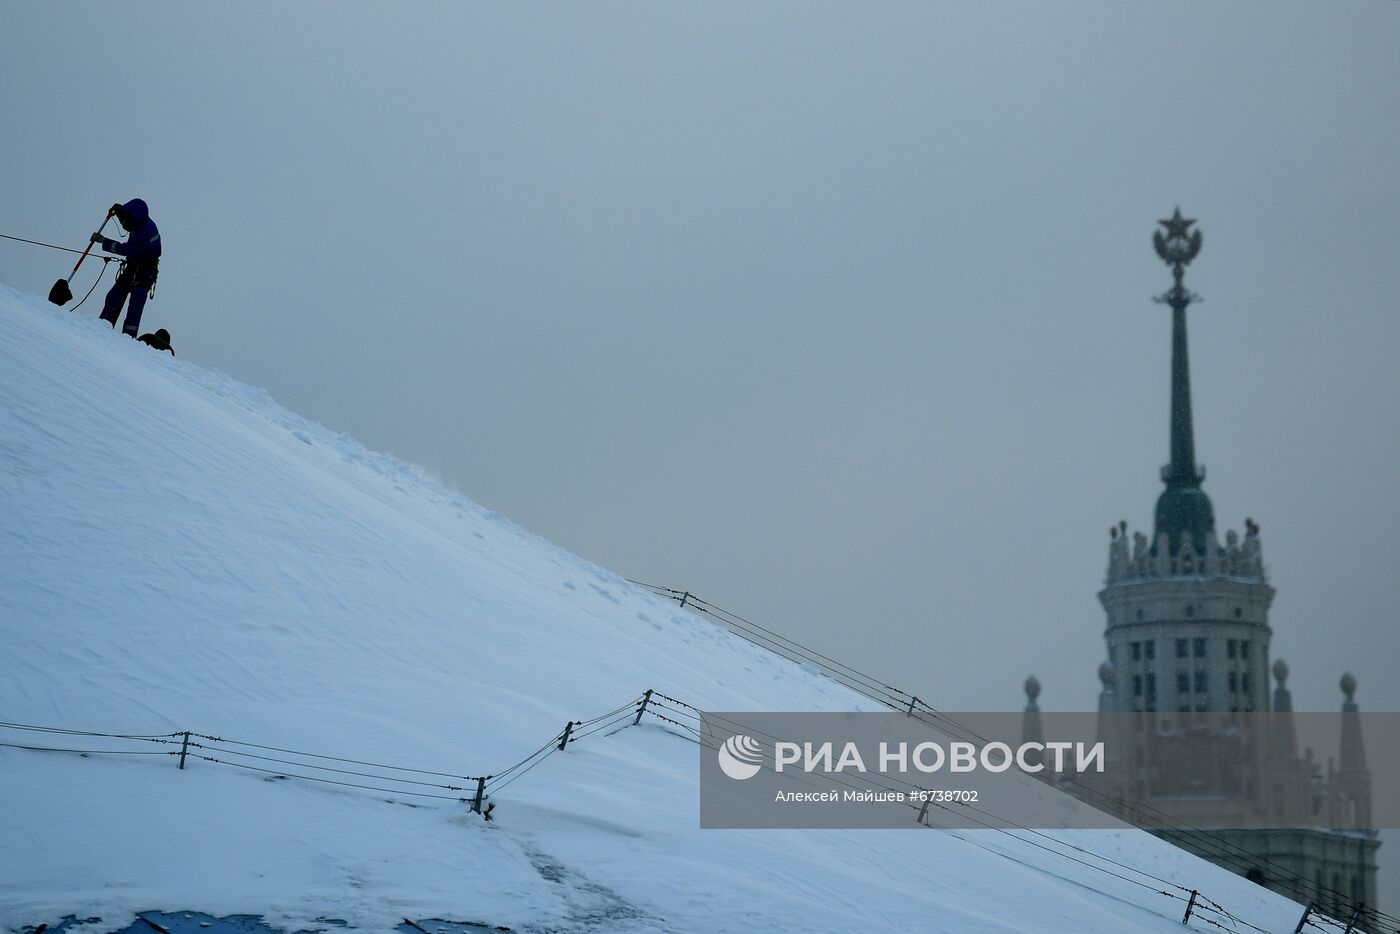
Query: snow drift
[[178, 552]]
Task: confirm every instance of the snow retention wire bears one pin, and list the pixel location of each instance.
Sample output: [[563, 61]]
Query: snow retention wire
[[216, 750], [840, 672], [322, 768], [990, 826], [1052, 844], [313, 755], [96, 752], [873, 688], [34, 728], [327, 781], [677, 713]]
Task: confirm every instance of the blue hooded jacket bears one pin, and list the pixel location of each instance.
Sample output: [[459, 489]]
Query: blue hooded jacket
[[143, 239]]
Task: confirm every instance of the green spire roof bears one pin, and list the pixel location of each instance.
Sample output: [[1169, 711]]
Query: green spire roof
[[1183, 510]]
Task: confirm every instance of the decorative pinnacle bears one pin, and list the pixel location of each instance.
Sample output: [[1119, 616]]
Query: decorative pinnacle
[[1181, 244], [1107, 676], [1177, 248]]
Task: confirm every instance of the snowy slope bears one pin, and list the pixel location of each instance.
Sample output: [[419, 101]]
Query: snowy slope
[[179, 552]]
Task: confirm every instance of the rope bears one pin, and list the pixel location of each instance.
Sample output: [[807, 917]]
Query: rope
[[631, 712], [325, 768], [999, 827], [613, 718], [963, 807], [1231, 854], [312, 755], [553, 743], [86, 752], [667, 697], [609, 720], [1205, 904], [327, 781], [1209, 904], [786, 647], [553, 748], [1223, 850], [1110, 872], [605, 721], [692, 729], [630, 705], [30, 727], [51, 246], [105, 261]]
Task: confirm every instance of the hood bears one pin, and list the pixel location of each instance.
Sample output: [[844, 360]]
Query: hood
[[136, 210]]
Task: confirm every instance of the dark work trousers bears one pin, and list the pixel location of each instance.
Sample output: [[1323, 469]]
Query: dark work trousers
[[135, 280]]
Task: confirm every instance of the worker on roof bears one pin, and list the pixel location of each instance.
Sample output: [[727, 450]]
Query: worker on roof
[[140, 264]]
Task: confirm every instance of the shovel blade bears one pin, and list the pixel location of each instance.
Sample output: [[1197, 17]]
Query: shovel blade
[[60, 294]]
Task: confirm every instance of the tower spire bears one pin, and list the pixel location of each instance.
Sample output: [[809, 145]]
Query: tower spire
[[1183, 510]]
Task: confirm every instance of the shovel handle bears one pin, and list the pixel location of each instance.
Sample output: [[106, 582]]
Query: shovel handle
[[105, 222]]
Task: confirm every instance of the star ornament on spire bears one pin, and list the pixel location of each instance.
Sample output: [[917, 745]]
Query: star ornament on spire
[[1180, 244], [1177, 226]]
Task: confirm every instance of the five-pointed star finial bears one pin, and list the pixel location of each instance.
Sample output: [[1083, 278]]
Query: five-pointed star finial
[[1177, 226]]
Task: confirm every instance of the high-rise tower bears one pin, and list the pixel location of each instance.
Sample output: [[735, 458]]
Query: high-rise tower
[[1188, 618], [1188, 644]]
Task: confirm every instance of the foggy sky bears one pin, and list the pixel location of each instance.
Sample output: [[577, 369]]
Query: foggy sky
[[837, 315]]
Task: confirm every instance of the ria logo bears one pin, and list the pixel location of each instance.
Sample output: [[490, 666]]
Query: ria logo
[[741, 757]]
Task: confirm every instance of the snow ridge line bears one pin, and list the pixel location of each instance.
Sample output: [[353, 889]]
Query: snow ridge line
[[190, 747]]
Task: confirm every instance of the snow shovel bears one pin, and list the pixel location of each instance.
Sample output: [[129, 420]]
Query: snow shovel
[[60, 294]]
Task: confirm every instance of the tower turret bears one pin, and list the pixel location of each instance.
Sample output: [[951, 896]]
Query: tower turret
[[1031, 729], [1187, 619], [1353, 778], [1188, 637]]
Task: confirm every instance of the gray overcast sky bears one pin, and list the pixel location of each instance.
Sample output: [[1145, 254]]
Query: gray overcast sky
[[836, 314]]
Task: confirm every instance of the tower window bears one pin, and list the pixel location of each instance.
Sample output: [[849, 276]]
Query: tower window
[[1246, 683], [1137, 651], [1151, 687], [1200, 682], [1233, 680], [1183, 683], [1139, 613], [1181, 648], [1137, 685], [1244, 649], [1238, 612], [1149, 649], [1190, 612], [1231, 646], [1198, 648]]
